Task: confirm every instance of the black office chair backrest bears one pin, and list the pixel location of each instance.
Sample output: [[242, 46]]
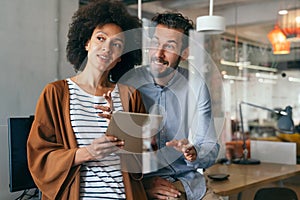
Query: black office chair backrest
[[275, 193]]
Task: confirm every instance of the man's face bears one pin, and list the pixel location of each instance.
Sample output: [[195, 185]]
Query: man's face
[[165, 50]]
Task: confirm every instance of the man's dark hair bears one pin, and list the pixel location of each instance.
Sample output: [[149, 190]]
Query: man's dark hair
[[177, 21], [98, 13]]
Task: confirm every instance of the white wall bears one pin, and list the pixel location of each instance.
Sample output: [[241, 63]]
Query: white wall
[[32, 54]]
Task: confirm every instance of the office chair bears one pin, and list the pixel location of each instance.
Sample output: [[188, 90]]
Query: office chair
[[275, 193]]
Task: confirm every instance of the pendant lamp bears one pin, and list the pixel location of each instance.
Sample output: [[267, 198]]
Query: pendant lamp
[[279, 42], [211, 24], [289, 22]]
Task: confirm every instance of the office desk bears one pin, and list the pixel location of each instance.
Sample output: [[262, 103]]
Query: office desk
[[244, 177]]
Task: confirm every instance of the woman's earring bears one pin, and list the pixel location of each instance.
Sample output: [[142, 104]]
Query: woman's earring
[[110, 78]]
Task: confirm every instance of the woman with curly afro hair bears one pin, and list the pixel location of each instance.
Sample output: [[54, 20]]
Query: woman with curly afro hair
[[69, 154]]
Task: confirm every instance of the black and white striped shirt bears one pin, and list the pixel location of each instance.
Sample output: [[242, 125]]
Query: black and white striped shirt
[[100, 179]]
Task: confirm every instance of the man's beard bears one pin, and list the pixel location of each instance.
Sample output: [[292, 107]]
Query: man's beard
[[166, 72]]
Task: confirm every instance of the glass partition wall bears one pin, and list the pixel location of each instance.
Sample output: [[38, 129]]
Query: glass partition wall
[[246, 63], [259, 77], [252, 73]]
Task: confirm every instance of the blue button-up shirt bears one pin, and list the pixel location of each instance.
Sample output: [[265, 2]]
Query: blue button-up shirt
[[186, 108]]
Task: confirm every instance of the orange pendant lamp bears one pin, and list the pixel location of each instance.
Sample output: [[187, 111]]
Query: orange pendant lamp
[[278, 40], [289, 22]]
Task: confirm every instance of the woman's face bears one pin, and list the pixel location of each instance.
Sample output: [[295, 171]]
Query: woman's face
[[105, 47]]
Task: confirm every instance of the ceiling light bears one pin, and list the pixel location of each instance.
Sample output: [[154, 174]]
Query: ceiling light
[[279, 42], [211, 24], [266, 75], [293, 79], [282, 12], [247, 65], [236, 78], [290, 25], [261, 80], [281, 48]]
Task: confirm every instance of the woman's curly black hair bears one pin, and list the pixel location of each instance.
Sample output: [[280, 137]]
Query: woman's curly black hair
[[98, 13], [175, 20]]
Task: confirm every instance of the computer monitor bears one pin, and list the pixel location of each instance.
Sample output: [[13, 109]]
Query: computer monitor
[[19, 175]]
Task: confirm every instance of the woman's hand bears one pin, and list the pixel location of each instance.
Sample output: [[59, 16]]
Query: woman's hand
[[104, 146], [185, 147], [106, 110], [100, 148]]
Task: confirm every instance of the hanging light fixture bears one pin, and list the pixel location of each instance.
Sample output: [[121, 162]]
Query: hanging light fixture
[[289, 23], [211, 24], [279, 42]]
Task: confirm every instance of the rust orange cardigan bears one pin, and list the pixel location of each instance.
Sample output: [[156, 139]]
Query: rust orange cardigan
[[51, 145]]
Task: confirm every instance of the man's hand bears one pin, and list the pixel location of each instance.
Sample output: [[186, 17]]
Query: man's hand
[[159, 188], [185, 147]]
